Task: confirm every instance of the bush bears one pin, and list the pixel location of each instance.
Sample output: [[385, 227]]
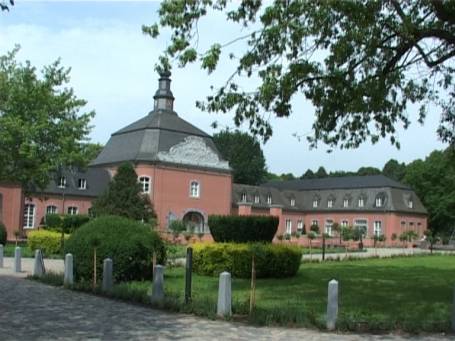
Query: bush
[[3, 234], [71, 222], [243, 229], [272, 260], [53, 221], [128, 243], [48, 242]]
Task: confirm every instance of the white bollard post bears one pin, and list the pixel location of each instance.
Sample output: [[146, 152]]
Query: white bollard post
[[224, 296], [332, 305], [158, 285], [107, 275], [17, 259], [68, 278], [38, 264], [1, 256]]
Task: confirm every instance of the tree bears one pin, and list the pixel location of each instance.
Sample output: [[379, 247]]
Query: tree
[[320, 173], [244, 154], [433, 180], [5, 4], [368, 171], [356, 62], [394, 170], [91, 150], [308, 174], [123, 197], [41, 127]]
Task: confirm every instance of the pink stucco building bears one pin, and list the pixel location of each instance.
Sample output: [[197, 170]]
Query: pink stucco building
[[179, 167]]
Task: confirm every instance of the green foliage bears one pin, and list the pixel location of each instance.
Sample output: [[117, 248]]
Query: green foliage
[[177, 227], [41, 126], [72, 222], [128, 243], [314, 228], [243, 229], [124, 198], [354, 60], [394, 236], [244, 154], [49, 242], [368, 171], [433, 180], [347, 233], [408, 236], [53, 221], [271, 260], [3, 234], [394, 170]]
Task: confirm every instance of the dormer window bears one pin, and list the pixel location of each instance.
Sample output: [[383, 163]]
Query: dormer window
[[144, 181], [82, 184], [269, 199], [62, 182], [378, 202], [243, 197], [361, 202], [315, 203], [194, 189], [346, 203], [292, 202], [256, 199], [330, 203], [411, 204]]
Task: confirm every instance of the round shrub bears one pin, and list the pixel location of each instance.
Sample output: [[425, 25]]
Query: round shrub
[[49, 242], [271, 260], [243, 229], [130, 245], [3, 234]]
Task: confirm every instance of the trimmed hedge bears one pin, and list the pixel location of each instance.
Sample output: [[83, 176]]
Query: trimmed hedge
[[3, 234], [243, 229], [272, 260], [130, 245], [69, 222], [49, 242]]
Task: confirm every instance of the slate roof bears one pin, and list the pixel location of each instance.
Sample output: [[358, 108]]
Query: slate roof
[[395, 196], [97, 180], [348, 182]]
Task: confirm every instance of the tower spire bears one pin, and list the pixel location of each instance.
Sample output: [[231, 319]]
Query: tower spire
[[164, 99]]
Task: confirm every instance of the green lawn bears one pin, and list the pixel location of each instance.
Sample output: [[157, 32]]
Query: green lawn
[[8, 250], [403, 293]]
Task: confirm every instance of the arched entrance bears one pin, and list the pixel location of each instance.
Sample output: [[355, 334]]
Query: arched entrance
[[194, 220]]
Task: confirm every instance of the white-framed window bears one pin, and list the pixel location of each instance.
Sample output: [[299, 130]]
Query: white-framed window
[[315, 203], [361, 202], [403, 224], [292, 202], [377, 228], [361, 224], [378, 202], [411, 204], [269, 199], [62, 182], [328, 226], [300, 225], [314, 222], [330, 203], [288, 226], [51, 209], [194, 189], [346, 203], [144, 181], [29, 216], [243, 198], [72, 210], [256, 199], [82, 183], [344, 223]]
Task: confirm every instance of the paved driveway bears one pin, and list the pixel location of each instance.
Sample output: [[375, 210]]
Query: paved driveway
[[34, 311]]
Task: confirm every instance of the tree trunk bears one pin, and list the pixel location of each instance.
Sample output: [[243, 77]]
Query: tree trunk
[[253, 285]]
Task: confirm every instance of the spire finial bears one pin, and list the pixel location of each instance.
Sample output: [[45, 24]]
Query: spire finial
[[164, 100]]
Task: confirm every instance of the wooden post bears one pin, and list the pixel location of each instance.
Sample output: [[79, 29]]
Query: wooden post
[[253, 285], [323, 246], [153, 263], [188, 274]]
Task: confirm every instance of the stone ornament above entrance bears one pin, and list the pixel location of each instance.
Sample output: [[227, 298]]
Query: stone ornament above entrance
[[193, 151]]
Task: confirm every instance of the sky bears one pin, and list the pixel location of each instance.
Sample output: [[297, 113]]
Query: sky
[[112, 67]]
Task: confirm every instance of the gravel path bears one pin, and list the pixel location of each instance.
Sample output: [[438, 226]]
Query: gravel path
[[34, 311]]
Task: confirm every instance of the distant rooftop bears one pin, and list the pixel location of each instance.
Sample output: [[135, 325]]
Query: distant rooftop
[[347, 182]]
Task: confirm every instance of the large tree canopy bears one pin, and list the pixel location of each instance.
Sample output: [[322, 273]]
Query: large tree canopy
[[41, 126], [244, 154], [361, 63]]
